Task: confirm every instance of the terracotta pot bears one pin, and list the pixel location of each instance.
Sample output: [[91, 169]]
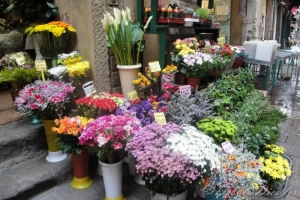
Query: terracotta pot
[[180, 79], [202, 20], [188, 16], [80, 165], [194, 82]]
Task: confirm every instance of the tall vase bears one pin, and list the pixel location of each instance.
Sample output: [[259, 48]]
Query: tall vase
[[31, 44], [112, 177], [80, 165], [181, 196], [51, 62], [54, 152], [127, 74], [194, 82]]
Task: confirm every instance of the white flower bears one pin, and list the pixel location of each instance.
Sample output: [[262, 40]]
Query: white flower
[[101, 140], [58, 71]]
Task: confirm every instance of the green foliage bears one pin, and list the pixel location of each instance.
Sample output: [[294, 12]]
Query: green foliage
[[229, 91], [270, 120], [202, 13], [188, 11], [32, 10], [69, 144], [255, 143], [220, 130]]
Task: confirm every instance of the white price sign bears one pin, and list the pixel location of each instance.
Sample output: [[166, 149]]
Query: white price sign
[[132, 95], [20, 60], [154, 66], [89, 88], [185, 90], [227, 147], [40, 65]]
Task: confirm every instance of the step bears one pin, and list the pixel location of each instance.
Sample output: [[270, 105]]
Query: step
[[21, 141], [32, 176]]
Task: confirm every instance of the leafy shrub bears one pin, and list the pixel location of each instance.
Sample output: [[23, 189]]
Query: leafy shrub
[[220, 130]]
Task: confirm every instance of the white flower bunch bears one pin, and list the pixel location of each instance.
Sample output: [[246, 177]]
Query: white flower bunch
[[64, 56], [197, 146], [58, 71]]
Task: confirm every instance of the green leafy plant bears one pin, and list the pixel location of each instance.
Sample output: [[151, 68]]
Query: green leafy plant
[[202, 13], [21, 76], [219, 129], [31, 11], [188, 11], [255, 143]]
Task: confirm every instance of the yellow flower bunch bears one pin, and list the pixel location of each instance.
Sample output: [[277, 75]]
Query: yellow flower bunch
[[142, 81], [276, 149], [57, 28], [169, 69], [79, 69], [186, 50]]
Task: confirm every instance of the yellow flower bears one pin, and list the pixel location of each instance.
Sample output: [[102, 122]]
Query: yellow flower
[[256, 186]]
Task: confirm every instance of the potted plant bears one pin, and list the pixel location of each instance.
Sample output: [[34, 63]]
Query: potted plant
[[68, 130], [125, 39], [188, 12], [219, 129], [276, 168], [236, 178], [171, 158], [48, 99], [202, 14], [51, 39], [107, 136]]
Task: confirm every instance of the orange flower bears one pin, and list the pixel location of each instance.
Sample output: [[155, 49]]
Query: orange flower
[[225, 165], [163, 9], [238, 166], [205, 181], [242, 174], [147, 9], [251, 164], [231, 158], [241, 192], [170, 9]]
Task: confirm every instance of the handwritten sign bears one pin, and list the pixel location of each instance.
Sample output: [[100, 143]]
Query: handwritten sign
[[40, 65], [221, 40], [89, 88], [20, 60], [160, 118], [227, 147], [154, 66], [185, 90], [132, 95]]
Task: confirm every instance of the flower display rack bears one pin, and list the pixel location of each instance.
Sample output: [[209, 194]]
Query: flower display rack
[[166, 20]]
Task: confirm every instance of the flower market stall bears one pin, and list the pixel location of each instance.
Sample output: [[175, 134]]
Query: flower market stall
[[220, 140]]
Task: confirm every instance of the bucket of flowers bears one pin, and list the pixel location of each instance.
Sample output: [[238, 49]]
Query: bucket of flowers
[[69, 130], [172, 158], [237, 178], [47, 100]]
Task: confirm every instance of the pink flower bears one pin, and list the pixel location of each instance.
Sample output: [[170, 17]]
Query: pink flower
[[118, 145]]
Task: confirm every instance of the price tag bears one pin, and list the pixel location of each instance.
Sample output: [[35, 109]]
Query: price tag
[[154, 66], [132, 95], [40, 65], [227, 147], [160, 118], [185, 90], [89, 88], [207, 42], [241, 146], [20, 60]]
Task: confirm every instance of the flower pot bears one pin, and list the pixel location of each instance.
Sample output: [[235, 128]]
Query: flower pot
[[127, 74], [34, 118], [180, 79], [112, 177], [80, 165], [31, 43], [138, 179], [194, 82], [54, 152], [213, 196], [51, 62], [181, 196]]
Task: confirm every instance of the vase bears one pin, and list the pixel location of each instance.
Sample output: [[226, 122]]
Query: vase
[[180, 79], [138, 179], [54, 152], [112, 177], [34, 118], [31, 43], [80, 165], [127, 74], [181, 196], [213, 195], [51, 62], [194, 82]]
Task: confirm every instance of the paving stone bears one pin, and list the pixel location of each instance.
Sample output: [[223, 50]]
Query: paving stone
[[294, 185], [290, 129], [296, 122], [296, 165], [291, 149], [283, 136], [293, 139], [289, 121]]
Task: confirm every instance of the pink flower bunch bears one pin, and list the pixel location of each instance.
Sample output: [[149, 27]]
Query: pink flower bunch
[[159, 164], [47, 98], [108, 135]]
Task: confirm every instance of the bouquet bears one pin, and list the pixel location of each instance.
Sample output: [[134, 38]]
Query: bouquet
[[182, 47], [238, 176], [108, 135], [69, 129], [276, 168], [70, 58], [172, 158], [124, 36], [11, 63], [47, 98], [98, 105], [51, 38]]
